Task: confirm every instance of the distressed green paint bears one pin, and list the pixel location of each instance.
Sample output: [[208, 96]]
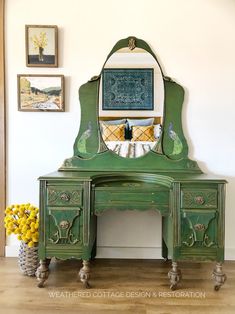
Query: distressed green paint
[[87, 144], [90, 152], [95, 179], [174, 98]]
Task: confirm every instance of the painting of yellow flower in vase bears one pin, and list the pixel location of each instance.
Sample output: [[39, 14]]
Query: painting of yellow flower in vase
[[41, 45]]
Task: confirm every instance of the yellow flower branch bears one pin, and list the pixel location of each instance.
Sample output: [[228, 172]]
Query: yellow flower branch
[[23, 220]]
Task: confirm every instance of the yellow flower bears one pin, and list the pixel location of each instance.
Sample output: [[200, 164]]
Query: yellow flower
[[24, 238], [31, 244], [22, 220], [28, 234]]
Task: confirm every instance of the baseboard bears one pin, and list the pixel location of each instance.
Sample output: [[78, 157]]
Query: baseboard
[[123, 252], [229, 254], [129, 252]]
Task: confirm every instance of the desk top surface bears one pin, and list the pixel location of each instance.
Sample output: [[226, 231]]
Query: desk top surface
[[168, 177]]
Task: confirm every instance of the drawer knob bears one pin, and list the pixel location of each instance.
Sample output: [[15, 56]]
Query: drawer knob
[[199, 200], [64, 224], [65, 197], [199, 227]]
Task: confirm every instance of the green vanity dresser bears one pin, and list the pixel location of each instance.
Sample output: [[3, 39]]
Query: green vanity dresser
[[121, 162]]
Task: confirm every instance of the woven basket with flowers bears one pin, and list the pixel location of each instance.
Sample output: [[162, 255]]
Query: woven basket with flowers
[[23, 221]]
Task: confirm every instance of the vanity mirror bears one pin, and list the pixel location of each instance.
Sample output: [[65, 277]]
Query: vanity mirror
[[131, 92], [131, 102]]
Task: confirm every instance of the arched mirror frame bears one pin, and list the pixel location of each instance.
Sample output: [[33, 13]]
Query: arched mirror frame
[[90, 151], [131, 102]]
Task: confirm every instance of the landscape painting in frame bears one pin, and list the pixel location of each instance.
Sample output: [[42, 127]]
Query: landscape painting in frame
[[41, 45], [40, 92]]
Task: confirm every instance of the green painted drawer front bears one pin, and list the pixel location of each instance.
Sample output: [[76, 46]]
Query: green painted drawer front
[[64, 195], [138, 197], [199, 198], [199, 229], [64, 226]]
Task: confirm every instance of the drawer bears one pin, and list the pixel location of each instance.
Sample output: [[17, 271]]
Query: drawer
[[64, 195], [199, 228], [130, 197], [199, 198], [64, 226]]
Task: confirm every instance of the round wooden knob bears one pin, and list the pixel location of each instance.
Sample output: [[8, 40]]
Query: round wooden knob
[[199, 200], [65, 197], [64, 224]]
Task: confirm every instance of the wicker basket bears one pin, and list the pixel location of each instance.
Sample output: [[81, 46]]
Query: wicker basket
[[28, 259]]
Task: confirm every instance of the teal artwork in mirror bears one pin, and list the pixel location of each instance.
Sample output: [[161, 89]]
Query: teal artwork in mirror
[[131, 102], [127, 89]]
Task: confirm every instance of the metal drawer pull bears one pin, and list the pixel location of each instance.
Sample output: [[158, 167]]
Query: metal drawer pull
[[65, 197], [64, 224], [199, 227], [199, 200]]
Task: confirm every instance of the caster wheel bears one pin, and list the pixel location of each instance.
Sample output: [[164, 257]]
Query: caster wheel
[[41, 285], [86, 285], [216, 288], [173, 287]]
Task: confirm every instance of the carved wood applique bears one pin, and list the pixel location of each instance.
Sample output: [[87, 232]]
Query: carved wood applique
[[64, 226], [56, 197], [195, 228], [195, 199]]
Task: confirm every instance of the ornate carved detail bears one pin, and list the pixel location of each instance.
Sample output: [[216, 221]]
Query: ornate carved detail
[[218, 276], [199, 200], [199, 227], [131, 184], [174, 275], [73, 197], [193, 199], [199, 231], [42, 272], [65, 197], [64, 224], [64, 232], [131, 43], [84, 274]]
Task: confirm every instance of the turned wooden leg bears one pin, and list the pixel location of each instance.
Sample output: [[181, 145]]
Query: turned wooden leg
[[164, 251], [174, 275], [219, 276], [84, 273], [48, 260], [42, 272], [93, 252]]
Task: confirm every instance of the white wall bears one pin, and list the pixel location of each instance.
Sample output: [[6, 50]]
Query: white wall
[[195, 43]]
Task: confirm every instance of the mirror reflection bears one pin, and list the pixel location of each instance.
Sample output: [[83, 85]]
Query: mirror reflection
[[131, 101]]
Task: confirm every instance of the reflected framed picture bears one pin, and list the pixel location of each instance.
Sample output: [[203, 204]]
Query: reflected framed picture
[[40, 92], [41, 45], [127, 89]]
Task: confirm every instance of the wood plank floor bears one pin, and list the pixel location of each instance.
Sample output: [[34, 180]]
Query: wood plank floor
[[118, 286]]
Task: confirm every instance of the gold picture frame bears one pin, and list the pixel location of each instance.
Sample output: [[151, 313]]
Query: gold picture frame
[[41, 45], [40, 92]]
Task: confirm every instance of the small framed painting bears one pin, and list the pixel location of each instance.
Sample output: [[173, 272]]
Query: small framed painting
[[127, 89], [41, 45], [40, 92]]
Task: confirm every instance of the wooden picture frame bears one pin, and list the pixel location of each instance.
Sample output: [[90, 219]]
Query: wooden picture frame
[[40, 92], [41, 45]]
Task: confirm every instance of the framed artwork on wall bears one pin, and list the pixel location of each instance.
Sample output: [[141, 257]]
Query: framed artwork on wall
[[127, 89], [40, 92], [41, 45]]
